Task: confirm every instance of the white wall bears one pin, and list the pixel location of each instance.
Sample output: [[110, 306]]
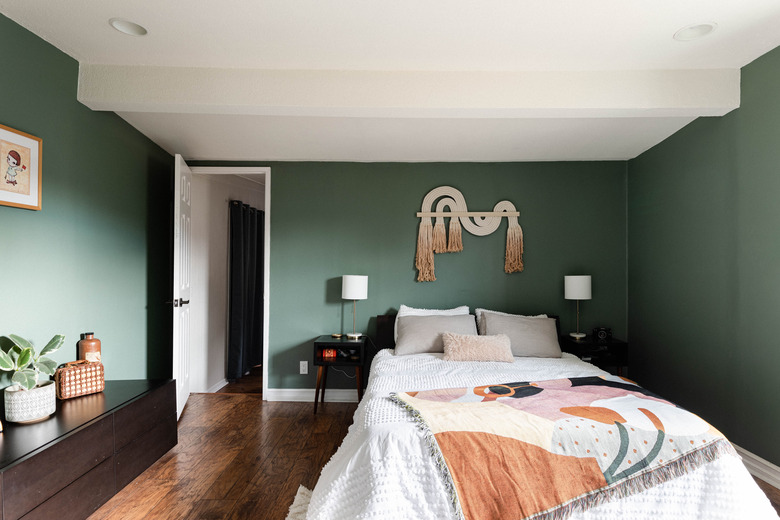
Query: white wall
[[210, 197]]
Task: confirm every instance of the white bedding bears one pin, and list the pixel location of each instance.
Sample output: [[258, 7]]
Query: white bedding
[[383, 469]]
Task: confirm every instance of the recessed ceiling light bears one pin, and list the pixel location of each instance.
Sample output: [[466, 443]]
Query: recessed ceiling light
[[695, 31], [123, 26]]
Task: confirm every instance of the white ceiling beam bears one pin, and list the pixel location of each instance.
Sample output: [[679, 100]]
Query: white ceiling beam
[[325, 93]]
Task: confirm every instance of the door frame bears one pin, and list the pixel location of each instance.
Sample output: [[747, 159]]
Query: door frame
[[266, 172]]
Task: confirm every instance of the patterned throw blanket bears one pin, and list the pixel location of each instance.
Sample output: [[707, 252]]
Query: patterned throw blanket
[[547, 449]]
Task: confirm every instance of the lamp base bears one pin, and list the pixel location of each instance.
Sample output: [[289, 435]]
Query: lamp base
[[577, 335], [358, 335]]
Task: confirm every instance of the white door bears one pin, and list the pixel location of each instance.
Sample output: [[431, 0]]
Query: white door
[[182, 248]]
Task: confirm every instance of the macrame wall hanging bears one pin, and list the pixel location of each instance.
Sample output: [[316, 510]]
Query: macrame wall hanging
[[432, 238]]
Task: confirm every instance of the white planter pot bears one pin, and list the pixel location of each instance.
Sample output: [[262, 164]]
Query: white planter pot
[[30, 405]]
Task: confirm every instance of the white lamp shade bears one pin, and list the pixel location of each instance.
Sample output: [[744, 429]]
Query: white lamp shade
[[576, 287], [354, 287]]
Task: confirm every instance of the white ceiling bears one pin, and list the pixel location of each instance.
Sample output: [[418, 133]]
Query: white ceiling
[[407, 80]]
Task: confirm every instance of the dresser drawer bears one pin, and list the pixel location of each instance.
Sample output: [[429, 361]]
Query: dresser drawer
[[142, 415], [79, 499], [136, 456], [33, 481]]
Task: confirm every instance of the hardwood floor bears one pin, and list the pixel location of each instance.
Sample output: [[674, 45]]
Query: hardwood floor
[[238, 457], [771, 492], [252, 383]]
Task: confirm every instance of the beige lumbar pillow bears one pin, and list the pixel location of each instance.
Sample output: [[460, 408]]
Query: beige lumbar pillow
[[462, 347]]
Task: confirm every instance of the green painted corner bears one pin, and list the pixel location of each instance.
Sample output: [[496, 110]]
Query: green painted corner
[[96, 256], [704, 264]]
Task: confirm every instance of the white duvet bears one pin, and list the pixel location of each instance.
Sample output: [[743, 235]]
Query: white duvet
[[383, 469]]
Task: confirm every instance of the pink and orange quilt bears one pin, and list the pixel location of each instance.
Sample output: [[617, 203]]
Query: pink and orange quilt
[[547, 449]]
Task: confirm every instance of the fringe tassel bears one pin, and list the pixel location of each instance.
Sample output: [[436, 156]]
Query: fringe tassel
[[641, 481], [439, 236], [435, 451], [424, 259], [513, 261], [456, 238]]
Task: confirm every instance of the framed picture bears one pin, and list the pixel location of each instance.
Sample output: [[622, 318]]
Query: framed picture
[[20, 184]]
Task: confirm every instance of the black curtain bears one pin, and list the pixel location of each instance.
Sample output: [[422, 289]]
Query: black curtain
[[245, 299]]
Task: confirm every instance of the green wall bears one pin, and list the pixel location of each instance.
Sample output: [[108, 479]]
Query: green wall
[[330, 219], [97, 256], [704, 264]]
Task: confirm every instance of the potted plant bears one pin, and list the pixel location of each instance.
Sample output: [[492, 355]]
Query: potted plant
[[27, 400]]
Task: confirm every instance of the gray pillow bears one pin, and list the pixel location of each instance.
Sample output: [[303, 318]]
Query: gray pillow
[[481, 313], [419, 334], [530, 337]]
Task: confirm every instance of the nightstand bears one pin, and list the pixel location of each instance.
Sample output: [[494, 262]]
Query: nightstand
[[330, 352], [608, 355]]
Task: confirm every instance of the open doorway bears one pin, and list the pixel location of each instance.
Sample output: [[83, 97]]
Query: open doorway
[[212, 190]]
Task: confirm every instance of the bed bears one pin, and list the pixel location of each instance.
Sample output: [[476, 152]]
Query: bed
[[385, 467]]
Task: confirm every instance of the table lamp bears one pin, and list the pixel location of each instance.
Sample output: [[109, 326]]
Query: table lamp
[[354, 287], [577, 288]]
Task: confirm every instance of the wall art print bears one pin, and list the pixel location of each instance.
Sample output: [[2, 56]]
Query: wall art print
[[432, 237], [20, 185]]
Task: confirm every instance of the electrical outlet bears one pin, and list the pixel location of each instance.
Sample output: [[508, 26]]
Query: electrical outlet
[[304, 367]]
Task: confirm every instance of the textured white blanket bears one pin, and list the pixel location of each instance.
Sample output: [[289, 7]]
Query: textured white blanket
[[383, 468]]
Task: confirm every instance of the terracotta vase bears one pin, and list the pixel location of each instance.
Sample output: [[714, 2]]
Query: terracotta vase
[[89, 347]]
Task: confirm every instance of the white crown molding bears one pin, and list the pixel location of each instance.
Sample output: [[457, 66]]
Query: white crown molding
[[759, 467], [336, 395]]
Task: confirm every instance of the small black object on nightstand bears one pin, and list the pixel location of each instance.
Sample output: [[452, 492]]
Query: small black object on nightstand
[[330, 351], [608, 354]]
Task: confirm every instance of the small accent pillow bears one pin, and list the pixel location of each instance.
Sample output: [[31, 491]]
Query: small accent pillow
[[530, 337], [405, 310], [419, 334], [461, 347], [480, 313]]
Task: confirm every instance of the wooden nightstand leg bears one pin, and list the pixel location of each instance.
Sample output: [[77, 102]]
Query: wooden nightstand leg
[[317, 392], [359, 378], [324, 383]]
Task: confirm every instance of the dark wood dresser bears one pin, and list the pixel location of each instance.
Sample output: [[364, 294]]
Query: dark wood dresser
[[68, 465]]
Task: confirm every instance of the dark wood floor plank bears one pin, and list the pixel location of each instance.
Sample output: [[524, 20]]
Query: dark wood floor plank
[[772, 493], [212, 509], [134, 501], [249, 384]]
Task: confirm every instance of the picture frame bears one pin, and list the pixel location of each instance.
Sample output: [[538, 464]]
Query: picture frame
[[21, 174]]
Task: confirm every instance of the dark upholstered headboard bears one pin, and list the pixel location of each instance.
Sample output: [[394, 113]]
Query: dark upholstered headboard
[[385, 325]]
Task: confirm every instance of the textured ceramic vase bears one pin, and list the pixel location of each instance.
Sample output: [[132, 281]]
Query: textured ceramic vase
[[30, 405]]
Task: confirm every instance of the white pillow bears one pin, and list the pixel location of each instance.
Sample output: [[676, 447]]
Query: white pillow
[[480, 313], [411, 311], [420, 334]]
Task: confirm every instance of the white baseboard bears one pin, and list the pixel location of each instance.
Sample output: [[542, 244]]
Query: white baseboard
[[336, 395], [759, 467], [217, 386]]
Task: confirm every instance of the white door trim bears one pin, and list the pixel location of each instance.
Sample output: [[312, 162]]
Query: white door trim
[[266, 171]]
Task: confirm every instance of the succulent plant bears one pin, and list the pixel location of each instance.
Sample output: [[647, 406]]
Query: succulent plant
[[18, 355]]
